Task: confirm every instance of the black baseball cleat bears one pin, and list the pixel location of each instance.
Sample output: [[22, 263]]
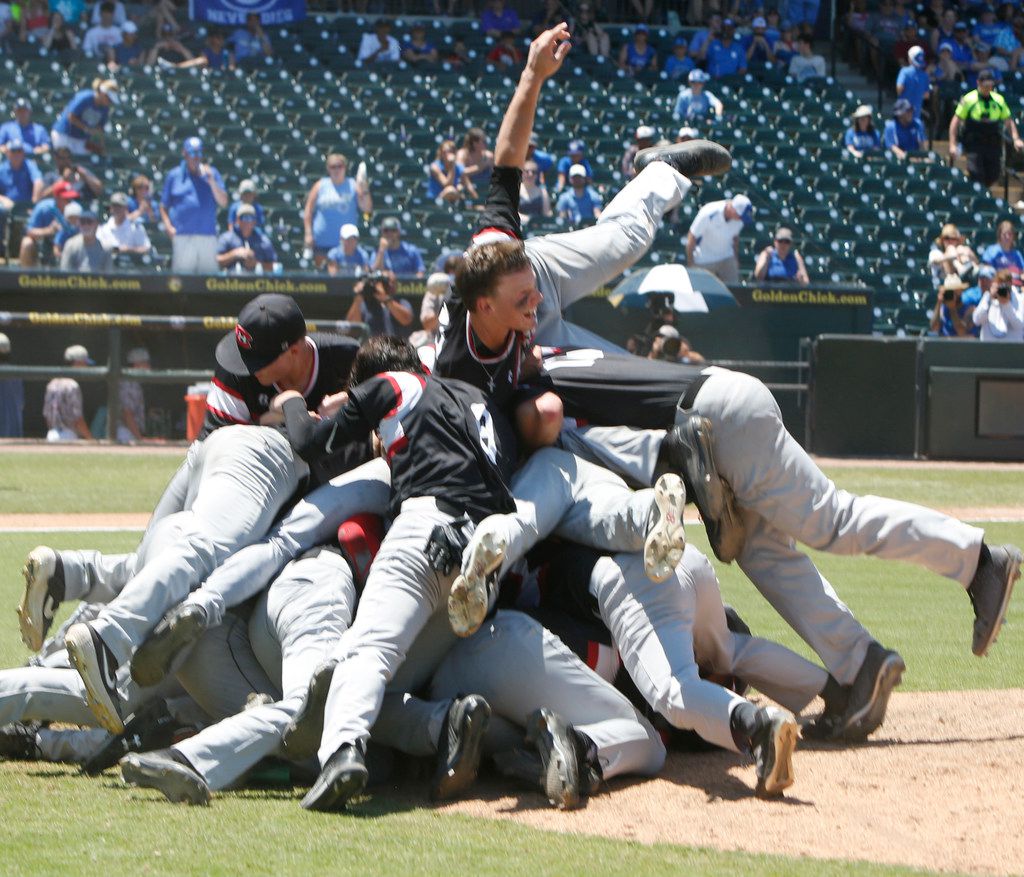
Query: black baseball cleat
[[181, 626], [151, 728], [343, 777], [169, 773], [686, 450], [693, 159], [18, 742], [773, 748], [990, 590], [97, 665], [880, 673], [44, 592], [460, 747], [567, 772], [302, 736]]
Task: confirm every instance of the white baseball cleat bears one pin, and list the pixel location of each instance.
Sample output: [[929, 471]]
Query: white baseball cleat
[[666, 538], [470, 596], [97, 666], [44, 591]]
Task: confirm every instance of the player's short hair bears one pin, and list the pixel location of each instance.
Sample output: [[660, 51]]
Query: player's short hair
[[383, 353], [482, 268]]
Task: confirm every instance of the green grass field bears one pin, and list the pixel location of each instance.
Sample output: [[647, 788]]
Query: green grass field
[[56, 821]]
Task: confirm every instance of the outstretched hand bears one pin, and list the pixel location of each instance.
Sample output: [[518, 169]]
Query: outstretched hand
[[548, 51]]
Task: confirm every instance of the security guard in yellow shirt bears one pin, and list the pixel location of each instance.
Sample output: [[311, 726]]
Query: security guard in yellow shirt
[[982, 115]]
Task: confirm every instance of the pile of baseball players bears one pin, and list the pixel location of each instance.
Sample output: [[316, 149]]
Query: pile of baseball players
[[474, 553]]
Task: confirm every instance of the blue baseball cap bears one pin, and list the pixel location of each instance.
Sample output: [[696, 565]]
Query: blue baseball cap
[[987, 271], [576, 146], [88, 216], [901, 106], [698, 75], [193, 147], [15, 146]]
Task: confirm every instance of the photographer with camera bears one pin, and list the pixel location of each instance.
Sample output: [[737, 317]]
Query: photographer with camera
[[375, 305], [952, 315], [1001, 311]]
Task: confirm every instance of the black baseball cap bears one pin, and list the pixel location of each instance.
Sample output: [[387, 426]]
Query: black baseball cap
[[267, 326]]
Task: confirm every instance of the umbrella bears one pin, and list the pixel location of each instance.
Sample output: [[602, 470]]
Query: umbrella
[[693, 290]]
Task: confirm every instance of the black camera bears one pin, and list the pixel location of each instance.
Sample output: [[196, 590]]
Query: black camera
[[948, 296], [374, 278], [1003, 292]]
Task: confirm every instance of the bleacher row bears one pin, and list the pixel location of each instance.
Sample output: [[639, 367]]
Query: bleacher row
[[856, 221]]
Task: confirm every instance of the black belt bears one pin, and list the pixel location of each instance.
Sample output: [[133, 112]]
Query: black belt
[[686, 402]]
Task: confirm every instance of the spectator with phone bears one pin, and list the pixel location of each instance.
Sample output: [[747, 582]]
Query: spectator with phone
[[375, 304], [952, 317], [1001, 311]]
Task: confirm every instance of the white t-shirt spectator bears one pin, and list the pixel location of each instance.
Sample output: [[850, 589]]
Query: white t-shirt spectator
[[801, 68], [1000, 321], [370, 43], [120, 16], [128, 234], [98, 38], [714, 233]]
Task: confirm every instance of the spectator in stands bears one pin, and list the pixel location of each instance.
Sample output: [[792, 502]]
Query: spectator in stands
[[889, 24], [713, 240], [140, 202], [60, 36], [576, 155], [951, 256], [439, 286], [664, 333], [169, 47], [542, 159], [695, 103], [459, 55], [904, 135], [861, 138], [724, 54], [119, 12], [987, 27], [1001, 311], [214, 56], [120, 233], [394, 254], [102, 35], [379, 47], [960, 46], [78, 175], [1007, 48], [910, 37], [579, 204], [550, 13], [446, 178], [72, 218], [81, 124], [506, 54], [803, 14], [12, 396], [332, 202], [247, 193], [983, 283], [62, 402], [533, 196], [245, 249], [784, 48], [645, 137], [34, 24], [83, 253], [587, 31], [498, 17], [781, 260], [475, 157], [418, 49], [759, 51], [45, 223], [188, 207], [983, 114], [34, 136], [948, 76], [913, 82], [951, 316], [70, 10], [983, 61], [21, 184], [944, 30], [805, 64], [129, 52], [679, 64], [251, 42], [375, 304], [638, 55], [132, 402], [348, 259], [704, 35], [1003, 254]]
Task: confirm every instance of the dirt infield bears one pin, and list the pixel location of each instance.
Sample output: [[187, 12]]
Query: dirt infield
[[939, 787]]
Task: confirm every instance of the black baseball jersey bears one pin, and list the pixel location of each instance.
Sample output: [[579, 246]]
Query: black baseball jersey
[[242, 399], [440, 437], [617, 389]]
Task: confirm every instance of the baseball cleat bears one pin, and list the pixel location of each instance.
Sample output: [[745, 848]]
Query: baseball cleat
[[151, 728], [44, 592], [460, 747], [990, 591], [693, 159], [181, 626], [470, 595], [342, 778], [97, 666], [302, 737], [880, 673], [666, 539], [773, 751], [18, 742], [167, 772], [561, 757]]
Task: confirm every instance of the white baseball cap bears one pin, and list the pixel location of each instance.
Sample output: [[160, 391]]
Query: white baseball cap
[[137, 355], [130, 27], [248, 185], [439, 283], [348, 230], [5, 343], [577, 170], [646, 132], [692, 133], [741, 204], [668, 331], [72, 209], [77, 353]]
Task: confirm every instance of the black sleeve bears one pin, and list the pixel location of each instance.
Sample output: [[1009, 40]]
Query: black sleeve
[[502, 208]]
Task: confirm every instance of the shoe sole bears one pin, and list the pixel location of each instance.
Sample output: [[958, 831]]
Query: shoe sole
[[466, 762], [152, 662], [1012, 575], [871, 716], [336, 795], [780, 777], [722, 158], [468, 599], [549, 735], [172, 784], [33, 624], [83, 658], [302, 739], [663, 548]]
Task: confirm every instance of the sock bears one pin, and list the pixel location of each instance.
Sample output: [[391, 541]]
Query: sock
[[984, 558], [744, 722]]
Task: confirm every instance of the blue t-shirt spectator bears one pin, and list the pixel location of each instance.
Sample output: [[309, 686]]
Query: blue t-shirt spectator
[[678, 68], [784, 53], [17, 184], [946, 328], [916, 84], [579, 208], [189, 201], [989, 33], [909, 138], [405, 259], [350, 265], [726, 60], [544, 160], [692, 106], [71, 10], [781, 269], [261, 216], [335, 206], [246, 44], [217, 60], [434, 187], [962, 53], [84, 106], [32, 135], [125, 54], [999, 258], [45, 212], [507, 20], [863, 141], [258, 242]]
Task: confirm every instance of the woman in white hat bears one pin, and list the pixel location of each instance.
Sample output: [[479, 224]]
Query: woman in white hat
[[861, 137]]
